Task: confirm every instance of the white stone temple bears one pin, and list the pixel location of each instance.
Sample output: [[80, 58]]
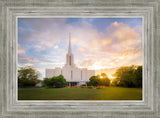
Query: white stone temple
[[74, 76]]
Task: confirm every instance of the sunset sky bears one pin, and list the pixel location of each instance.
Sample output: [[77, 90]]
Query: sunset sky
[[97, 43]]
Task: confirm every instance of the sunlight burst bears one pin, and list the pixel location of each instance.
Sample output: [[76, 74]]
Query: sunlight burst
[[111, 77]]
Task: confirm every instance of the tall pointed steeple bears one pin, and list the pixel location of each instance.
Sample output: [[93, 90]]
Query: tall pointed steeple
[[69, 55], [69, 48]]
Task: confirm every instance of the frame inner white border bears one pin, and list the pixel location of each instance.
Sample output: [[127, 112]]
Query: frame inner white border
[[116, 101]]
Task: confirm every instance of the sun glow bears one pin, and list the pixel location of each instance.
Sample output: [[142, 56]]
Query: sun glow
[[96, 66], [101, 77], [111, 77]]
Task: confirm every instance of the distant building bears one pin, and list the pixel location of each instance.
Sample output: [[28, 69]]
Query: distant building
[[74, 76]]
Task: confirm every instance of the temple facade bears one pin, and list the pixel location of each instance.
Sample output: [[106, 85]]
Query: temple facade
[[74, 76]]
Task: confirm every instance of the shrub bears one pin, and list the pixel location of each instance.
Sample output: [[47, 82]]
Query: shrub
[[68, 86], [55, 82], [83, 86], [90, 87], [100, 87]]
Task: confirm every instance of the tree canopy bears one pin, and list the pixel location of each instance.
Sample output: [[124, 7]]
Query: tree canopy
[[55, 82], [27, 76], [128, 76], [99, 80]]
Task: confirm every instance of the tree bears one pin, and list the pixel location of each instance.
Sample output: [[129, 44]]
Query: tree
[[104, 80], [104, 75], [55, 82], [27, 76], [128, 76], [94, 81], [115, 82], [138, 77], [48, 82], [99, 80]]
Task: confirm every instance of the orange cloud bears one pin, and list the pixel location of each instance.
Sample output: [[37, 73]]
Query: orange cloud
[[81, 49], [106, 41]]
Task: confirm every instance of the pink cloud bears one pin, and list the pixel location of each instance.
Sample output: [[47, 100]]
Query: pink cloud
[[125, 35], [20, 50], [87, 63]]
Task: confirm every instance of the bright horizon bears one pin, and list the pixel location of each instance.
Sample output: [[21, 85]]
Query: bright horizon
[[97, 43]]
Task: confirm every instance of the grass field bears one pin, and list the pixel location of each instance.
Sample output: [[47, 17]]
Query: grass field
[[110, 93]]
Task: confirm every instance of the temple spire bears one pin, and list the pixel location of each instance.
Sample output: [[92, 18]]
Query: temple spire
[[69, 48]]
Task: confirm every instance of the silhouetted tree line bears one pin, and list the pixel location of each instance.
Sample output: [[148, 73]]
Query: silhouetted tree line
[[128, 76]]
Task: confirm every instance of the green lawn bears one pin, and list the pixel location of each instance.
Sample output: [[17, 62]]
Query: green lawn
[[109, 93]]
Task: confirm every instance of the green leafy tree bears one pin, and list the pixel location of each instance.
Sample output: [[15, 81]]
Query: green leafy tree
[[48, 82], [94, 81], [99, 80], [128, 76], [27, 76], [55, 82], [137, 81]]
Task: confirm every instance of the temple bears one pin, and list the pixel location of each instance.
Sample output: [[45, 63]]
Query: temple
[[74, 76]]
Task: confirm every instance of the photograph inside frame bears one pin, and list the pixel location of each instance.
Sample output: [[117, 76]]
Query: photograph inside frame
[[80, 58]]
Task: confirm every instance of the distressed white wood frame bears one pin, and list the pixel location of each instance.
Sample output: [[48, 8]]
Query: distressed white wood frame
[[149, 107]]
